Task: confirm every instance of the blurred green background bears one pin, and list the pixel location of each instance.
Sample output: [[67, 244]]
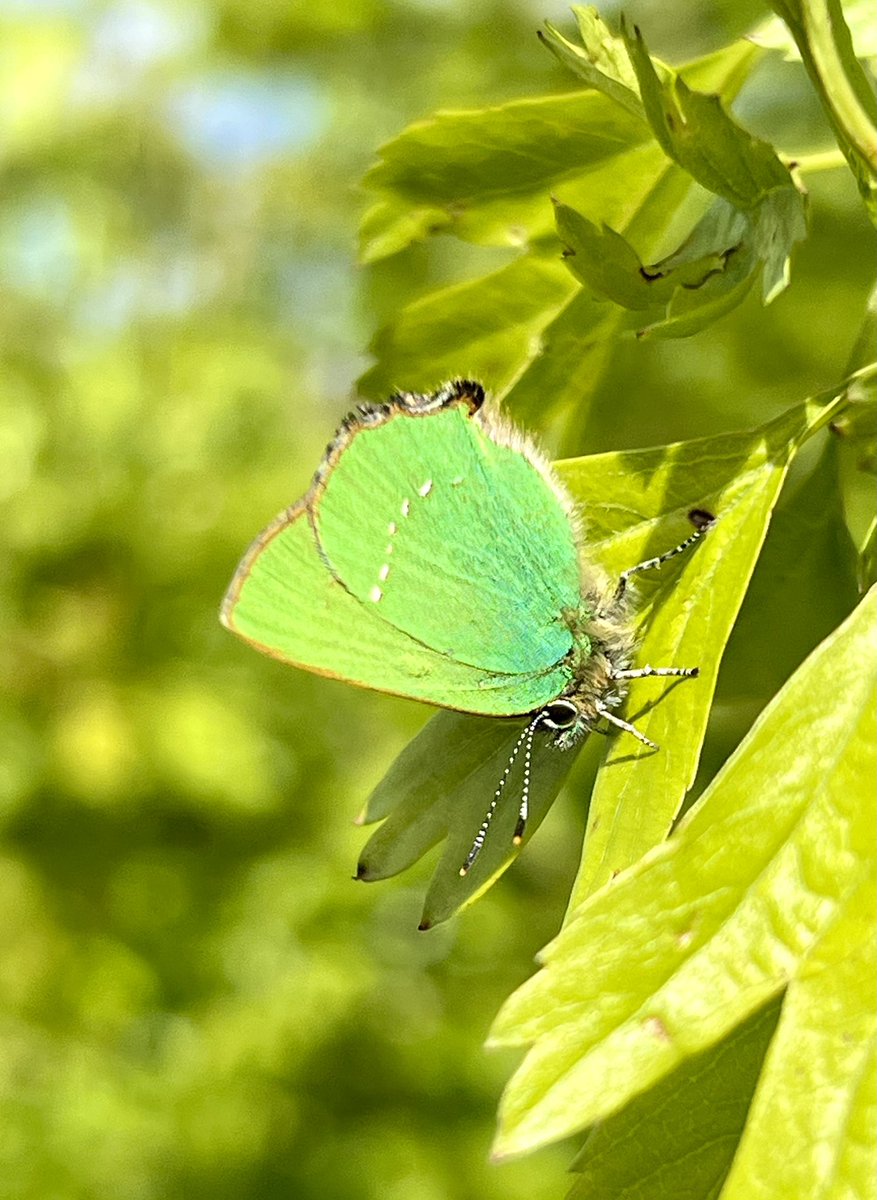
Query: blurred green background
[[195, 998]]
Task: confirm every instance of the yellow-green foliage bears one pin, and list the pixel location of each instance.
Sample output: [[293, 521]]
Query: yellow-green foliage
[[195, 999]]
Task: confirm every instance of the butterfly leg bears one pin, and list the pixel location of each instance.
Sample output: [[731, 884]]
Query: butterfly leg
[[625, 725], [702, 521], [645, 672], [649, 672]]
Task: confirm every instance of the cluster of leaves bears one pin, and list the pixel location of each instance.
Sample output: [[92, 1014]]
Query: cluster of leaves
[[725, 975]]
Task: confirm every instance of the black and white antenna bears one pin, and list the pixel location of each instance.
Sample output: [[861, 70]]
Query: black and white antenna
[[526, 741]]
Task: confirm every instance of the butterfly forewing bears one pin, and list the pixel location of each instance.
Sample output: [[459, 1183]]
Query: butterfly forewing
[[453, 539]]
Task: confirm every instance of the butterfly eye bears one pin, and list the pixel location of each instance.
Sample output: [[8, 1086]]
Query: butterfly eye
[[560, 714]]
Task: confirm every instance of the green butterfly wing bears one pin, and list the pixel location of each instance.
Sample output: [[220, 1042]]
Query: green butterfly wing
[[472, 588]]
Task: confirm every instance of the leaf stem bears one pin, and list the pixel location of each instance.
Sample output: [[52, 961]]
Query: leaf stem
[[828, 59], [823, 160]]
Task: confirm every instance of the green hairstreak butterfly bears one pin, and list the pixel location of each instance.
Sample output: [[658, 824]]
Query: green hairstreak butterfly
[[435, 556]]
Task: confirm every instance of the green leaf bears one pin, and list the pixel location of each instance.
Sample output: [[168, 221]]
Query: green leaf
[[695, 131], [601, 60], [808, 542], [817, 1093], [487, 175], [633, 496], [711, 925], [866, 572], [440, 787], [826, 49], [679, 1138], [488, 323], [568, 147], [757, 218], [691, 311], [609, 266], [489, 172], [565, 370], [603, 260]]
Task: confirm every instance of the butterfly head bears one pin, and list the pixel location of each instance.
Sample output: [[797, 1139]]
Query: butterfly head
[[564, 717]]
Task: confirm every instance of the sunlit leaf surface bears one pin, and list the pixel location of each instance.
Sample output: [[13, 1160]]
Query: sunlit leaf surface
[[748, 897]]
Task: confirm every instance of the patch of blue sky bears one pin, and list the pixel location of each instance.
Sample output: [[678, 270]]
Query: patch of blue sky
[[39, 249], [241, 119], [135, 34], [126, 41]]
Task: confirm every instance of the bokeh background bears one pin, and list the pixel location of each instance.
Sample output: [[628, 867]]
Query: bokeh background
[[195, 998]]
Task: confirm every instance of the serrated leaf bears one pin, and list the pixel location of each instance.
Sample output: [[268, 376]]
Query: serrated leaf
[[601, 60], [738, 478], [708, 276], [679, 1138], [824, 42], [448, 891], [756, 219], [487, 175], [440, 787], [695, 131], [603, 260], [496, 326], [714, 923], [477, 329], [562, 377], [609, 266], [817, 1096]]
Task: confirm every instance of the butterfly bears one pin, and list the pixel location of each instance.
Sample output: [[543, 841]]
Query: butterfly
[[437, 557]]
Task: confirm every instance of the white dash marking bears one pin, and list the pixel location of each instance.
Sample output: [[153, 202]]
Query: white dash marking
[[384, 572], [425, 488], [391, 529], [389, 549], [456, 482], [375, 594]]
